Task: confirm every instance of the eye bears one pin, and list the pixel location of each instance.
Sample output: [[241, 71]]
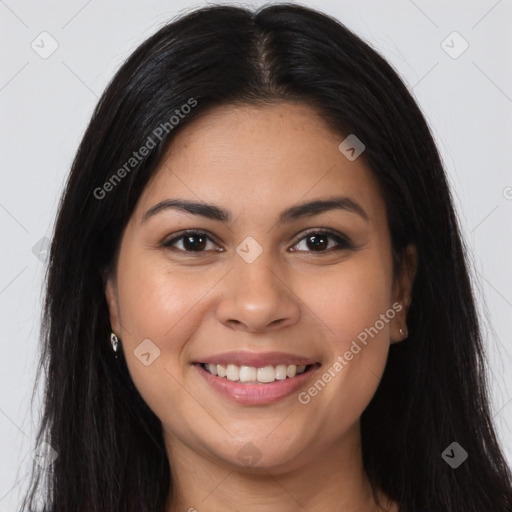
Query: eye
[[191, 241], [318, 241]]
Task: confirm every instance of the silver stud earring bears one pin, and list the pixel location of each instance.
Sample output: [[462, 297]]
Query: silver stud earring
[[114, 340], [402, 332]]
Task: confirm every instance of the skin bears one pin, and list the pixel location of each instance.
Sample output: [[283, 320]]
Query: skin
[[256, 162]]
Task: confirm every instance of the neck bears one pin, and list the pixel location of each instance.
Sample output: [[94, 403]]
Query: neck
[[332, 479]]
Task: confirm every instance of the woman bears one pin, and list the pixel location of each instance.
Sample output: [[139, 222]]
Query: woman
[[257, 296]]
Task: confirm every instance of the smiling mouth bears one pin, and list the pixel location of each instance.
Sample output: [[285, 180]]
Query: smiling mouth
[[254, 375]]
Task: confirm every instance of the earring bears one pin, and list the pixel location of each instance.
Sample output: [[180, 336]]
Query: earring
[[402, 333], [114, 340]]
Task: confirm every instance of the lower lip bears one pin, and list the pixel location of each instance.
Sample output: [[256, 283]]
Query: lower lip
[[255, 394]]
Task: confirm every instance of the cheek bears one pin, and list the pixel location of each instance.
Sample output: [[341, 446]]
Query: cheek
[[162, 305], [154, 300], [349, 299], [354, 306]]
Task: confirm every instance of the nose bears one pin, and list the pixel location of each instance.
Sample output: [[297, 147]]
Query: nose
[[257, 298]]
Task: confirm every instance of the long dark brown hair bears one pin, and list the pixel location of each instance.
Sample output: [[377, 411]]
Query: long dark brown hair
[[111, 455]]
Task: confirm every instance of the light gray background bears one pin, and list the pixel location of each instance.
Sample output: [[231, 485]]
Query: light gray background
[[45, 105]]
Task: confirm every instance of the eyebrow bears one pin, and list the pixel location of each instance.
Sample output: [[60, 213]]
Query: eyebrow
[[296, 212]]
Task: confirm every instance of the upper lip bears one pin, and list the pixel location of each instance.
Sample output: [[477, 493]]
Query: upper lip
[[258, 360]]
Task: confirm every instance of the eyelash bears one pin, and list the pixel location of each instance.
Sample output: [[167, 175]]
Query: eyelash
[[343, 242]]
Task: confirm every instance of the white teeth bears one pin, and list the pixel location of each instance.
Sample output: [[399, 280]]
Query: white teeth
[[281, 372], [266, 374], [248, 374], [233, 372]]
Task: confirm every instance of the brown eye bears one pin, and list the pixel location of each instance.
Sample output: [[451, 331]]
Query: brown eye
[[318, 241], [191, 241]]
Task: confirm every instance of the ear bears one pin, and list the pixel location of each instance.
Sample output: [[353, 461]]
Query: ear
[[112, 302], [402, 292]]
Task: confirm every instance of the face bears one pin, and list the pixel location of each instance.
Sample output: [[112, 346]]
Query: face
[[264, 287]]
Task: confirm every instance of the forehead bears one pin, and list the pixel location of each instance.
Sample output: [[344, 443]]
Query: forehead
[[260, 159]]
